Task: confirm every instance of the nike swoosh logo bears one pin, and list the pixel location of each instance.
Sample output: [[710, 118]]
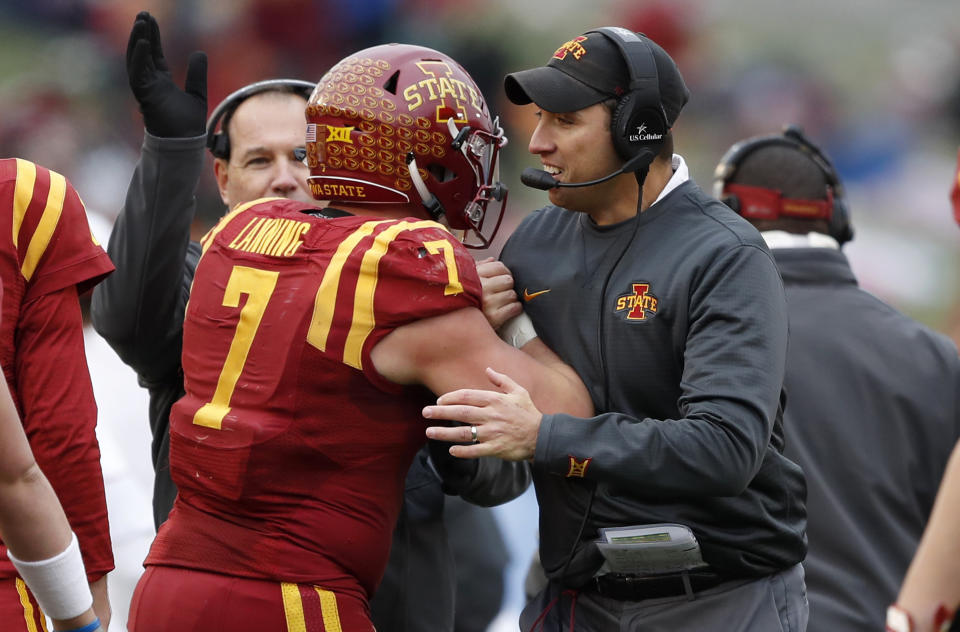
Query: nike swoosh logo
[[527, 295]]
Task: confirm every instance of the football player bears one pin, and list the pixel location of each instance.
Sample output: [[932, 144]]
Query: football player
[[39, 540], [308, 339], [48, 257]]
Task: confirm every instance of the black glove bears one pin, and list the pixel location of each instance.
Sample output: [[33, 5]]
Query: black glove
[[168, 111]]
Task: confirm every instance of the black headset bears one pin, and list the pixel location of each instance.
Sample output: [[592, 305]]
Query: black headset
[[793, 137], [638, 124], [218, 142]]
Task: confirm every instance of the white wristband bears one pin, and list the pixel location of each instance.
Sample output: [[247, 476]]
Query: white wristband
[[898, 620], [59, 583], [518, 331]]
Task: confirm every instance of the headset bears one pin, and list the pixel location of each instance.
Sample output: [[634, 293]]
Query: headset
[[218, 142], [638, 123], [761, 203]]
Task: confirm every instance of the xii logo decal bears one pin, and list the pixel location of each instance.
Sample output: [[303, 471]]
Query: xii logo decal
[[640, 303], [339, 134]]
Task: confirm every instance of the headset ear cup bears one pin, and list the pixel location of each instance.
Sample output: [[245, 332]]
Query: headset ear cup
[[619, 130], [217, 141], [732, 201], [840, 227], [637, 129], [219, 145]]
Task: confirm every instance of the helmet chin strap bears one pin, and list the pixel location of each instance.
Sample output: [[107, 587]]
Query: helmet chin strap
[[429, 200]]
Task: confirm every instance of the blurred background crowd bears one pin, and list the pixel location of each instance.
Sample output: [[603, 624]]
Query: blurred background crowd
[[876, 83]]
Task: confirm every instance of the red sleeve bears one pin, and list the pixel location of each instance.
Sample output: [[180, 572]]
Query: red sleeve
[[426, 272], [53, 240], [59, 415]]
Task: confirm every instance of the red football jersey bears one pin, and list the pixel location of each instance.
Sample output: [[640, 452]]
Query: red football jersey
[[289, 450], [47, 255]]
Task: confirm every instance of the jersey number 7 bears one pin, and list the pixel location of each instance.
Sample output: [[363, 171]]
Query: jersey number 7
[[259, 286]]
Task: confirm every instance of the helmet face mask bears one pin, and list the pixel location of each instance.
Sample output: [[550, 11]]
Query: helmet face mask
[[481, 150], [401, 124]]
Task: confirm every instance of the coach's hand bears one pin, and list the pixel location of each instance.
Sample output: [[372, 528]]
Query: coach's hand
[[502, 423], [168, 111], [500, 302]]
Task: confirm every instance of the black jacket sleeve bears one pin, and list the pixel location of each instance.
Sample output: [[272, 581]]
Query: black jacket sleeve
[[139, 309], [140, 312], [487, 481]]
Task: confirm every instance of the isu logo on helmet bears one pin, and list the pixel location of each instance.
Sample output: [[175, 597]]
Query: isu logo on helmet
[[407, 125], [450, 95]]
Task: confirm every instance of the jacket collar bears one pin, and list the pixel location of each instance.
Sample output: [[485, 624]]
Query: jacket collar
[[814, 266]]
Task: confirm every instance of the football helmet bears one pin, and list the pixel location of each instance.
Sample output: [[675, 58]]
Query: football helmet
[[405, 124]]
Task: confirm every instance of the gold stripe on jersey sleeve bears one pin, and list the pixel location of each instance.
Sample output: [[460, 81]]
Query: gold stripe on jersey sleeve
[[47, 226], [326, 301], [363, 320], [328, 609], [27, 606], [93, 238], [293, 607], [22, 195], [207, 239]]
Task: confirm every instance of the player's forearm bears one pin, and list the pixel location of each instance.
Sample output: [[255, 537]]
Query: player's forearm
[[933, 578], [559, 389], [101, 601], [32, 523], [59, 584], [41, 544], [567, 393]]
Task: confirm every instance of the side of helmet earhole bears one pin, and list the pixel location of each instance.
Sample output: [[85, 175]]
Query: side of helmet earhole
[[391, 84], [440, 173], [445, 112]]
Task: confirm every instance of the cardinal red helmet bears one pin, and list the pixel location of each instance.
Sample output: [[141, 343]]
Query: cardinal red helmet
[[406, 124]]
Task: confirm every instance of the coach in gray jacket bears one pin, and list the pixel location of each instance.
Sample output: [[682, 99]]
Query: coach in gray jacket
[[872, 396], [670, 308]]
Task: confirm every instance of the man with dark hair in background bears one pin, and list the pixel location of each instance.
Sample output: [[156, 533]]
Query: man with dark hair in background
[[873, 396]]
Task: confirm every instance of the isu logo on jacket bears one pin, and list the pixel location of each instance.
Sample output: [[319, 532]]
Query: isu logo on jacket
[[639, 302]]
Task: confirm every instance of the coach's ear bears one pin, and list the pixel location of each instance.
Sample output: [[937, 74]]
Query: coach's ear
[[221, 173]]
